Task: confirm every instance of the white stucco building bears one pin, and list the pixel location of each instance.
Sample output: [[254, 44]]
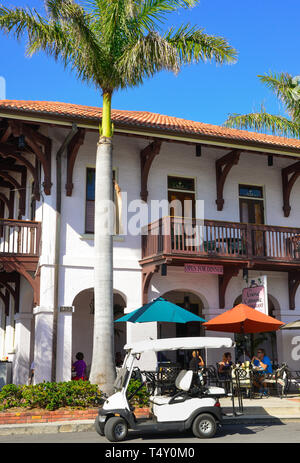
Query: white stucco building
[[241, 195]]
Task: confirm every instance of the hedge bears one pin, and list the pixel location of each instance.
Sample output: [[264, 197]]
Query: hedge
[[51, 396], [74, 394]]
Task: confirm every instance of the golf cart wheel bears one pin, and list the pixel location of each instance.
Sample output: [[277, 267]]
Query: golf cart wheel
[[204, 426], [115, 429]]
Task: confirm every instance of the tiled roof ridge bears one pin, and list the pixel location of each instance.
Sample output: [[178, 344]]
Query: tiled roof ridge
[[148, 119]]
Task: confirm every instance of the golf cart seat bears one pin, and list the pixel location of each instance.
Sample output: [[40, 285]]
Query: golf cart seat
[[183, 383]]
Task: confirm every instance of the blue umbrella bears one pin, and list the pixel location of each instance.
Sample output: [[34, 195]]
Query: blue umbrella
[[160, 310]]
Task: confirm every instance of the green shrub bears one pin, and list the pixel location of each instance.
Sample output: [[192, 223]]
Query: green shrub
[[141, 398], [51, 396]]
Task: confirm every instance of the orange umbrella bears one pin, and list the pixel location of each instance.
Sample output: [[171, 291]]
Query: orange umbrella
[[243, 319]]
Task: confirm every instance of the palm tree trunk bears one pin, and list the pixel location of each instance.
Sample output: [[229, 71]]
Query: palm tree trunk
[[103, 364]]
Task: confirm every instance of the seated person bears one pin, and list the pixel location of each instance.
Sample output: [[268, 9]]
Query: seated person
[[262, 365], [225, 365], [196, 361]]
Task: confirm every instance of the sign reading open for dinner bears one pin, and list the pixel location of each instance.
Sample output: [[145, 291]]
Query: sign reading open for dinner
[[202, 268]]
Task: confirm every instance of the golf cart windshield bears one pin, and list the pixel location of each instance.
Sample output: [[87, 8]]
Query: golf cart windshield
[[121, 378]]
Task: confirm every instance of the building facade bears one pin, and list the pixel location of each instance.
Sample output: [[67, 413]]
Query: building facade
[[237, 190]]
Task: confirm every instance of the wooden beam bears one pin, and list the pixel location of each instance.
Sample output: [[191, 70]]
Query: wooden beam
[[289, 176], [147, 156], [223, 167], [72, 152]]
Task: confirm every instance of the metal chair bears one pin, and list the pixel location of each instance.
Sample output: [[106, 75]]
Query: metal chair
[[280, 379], [242, 379]]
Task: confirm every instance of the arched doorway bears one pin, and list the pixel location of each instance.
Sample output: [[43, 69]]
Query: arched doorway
[[267, 340], [83, 324], [188, 301]]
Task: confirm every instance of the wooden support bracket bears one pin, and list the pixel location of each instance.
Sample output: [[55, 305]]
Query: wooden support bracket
[[223, 167], [294, 282], [9, 151], [289, 176], [40, 146], [147, 157], [147, 274], [20, 187], [224, 280], [73, 149]]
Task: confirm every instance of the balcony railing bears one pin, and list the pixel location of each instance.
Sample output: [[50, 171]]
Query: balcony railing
[[215, 239], [20, 238]]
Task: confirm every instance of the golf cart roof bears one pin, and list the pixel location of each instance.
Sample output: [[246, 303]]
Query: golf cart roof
[[166, 344]]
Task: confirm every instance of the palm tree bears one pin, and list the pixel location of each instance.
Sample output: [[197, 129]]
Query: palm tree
[[112, 44], [287, 90]]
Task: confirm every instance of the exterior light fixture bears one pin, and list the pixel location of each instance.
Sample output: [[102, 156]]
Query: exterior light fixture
[[198, 151]]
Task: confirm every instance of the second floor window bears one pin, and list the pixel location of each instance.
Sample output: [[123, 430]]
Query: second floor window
[[181, 195], [90, 201]]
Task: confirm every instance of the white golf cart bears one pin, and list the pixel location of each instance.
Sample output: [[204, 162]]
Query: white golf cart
[[193, 405]]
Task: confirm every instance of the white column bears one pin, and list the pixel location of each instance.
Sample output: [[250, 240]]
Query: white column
[[22, 348], [64, 344], [2, 329], [43, 343], [10, 330]]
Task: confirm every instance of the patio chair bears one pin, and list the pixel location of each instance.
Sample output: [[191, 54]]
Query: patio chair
[[279, 379], [293, 380], [210, 375], [242, 380]]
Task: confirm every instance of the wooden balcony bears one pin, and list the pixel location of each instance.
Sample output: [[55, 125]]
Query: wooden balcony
[[19, 238], [177, 241]]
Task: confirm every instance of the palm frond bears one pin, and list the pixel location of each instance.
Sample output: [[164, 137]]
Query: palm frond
[[147, 56], [151, 12], [194, 45], [287, 90], [264, 122]]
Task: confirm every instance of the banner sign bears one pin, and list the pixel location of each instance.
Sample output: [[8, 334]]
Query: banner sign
[[202, 268], [256, 294]]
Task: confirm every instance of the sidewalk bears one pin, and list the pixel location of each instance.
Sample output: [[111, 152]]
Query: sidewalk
[[258, 410]]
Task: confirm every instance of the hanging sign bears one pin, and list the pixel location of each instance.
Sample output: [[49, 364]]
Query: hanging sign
[[203, 268], [255, 295]]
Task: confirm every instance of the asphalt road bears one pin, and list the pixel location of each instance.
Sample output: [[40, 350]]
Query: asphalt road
[[281, 433]]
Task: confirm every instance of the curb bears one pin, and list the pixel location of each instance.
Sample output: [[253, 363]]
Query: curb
[[88, 425], [47, 428]]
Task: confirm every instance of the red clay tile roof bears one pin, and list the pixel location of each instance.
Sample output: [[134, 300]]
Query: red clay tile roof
[[147, 121]]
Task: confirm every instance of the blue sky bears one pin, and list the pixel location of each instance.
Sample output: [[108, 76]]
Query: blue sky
[[265, 33]]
